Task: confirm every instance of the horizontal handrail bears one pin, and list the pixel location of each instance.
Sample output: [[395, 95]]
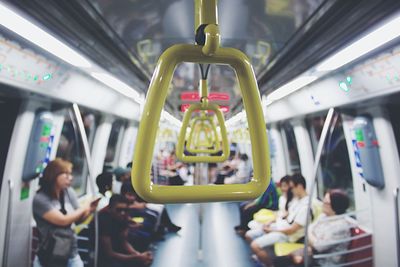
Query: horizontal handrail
[[347, 239], [342, 252], [354, 262], [82, 238]]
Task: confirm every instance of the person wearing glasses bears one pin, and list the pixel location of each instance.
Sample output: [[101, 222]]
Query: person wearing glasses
[[329, 234], [55, 210], [114, 247]]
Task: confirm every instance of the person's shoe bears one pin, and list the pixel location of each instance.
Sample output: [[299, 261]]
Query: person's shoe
[[257, 261], [241, 232], [238, 227], [174, 228]]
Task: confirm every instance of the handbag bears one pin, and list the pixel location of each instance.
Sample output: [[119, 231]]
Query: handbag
[[56, 248]]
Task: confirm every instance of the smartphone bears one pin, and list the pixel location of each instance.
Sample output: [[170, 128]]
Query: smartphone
[[95, 202]]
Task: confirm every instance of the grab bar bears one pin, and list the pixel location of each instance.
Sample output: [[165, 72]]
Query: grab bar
[[397, 222], [318, 155], [86, 149], [9, 216]]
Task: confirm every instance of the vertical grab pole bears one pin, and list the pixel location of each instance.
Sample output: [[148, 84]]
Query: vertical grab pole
[[397, 222], [9, 216], [86, 149], [205, 12], [203, 90], [318, 154]]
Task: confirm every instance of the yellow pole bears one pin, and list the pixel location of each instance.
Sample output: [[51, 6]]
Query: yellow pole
[[205, 12]]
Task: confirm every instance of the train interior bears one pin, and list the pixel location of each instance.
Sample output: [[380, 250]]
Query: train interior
[[74, 79]]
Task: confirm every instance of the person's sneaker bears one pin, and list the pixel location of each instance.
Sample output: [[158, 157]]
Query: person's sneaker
[[241, 232], [238, 227], [257, 261], [174, 228]]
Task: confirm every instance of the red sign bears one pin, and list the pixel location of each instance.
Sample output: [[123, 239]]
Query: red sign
[[214, 96]]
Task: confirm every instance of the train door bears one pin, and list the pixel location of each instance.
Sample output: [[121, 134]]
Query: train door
[[334, 167], [8, 113], [16, 193], [383, 118], [9, 108]]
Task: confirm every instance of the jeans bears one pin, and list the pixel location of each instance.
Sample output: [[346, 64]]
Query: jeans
[[72, 262]]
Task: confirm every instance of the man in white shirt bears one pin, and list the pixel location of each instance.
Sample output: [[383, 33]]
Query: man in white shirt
[[290, 229]]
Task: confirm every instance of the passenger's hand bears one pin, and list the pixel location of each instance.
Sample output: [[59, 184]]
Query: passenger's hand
[[268, 223], [86, 209], [147, 257], [94, 204], [267, 228], [298, 259]]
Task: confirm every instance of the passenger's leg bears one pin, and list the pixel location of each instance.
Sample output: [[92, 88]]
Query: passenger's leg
[[36, 262], [253, 234], [166, 221], [258, 245], [247, 216]]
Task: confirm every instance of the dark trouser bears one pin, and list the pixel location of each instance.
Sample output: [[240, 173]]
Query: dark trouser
[[246, 215]]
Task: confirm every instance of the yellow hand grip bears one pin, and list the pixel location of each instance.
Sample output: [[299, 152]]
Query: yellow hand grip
[[147, 131], [181, 141], [211, 141]]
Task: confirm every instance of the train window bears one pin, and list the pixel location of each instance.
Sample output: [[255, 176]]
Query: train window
[[334, 169], [114, 142], [394, 110], [291, 147], [70, 147]]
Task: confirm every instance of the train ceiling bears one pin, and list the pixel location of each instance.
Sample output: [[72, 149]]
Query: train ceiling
[[281, 37]]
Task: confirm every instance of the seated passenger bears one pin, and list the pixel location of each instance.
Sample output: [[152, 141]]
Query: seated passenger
[[122, 175], [228, 168], [286, 196], [158, 210], [283, 203], [141, 234], [242, 174], [114, 248], [290, 229], [104, 182], [323, 233], [268, 200]]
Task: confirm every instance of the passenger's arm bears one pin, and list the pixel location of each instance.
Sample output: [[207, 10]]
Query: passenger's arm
[[137, 205], [292, 229], [128, 248], [54, 216], [105, 242], [251, 204]]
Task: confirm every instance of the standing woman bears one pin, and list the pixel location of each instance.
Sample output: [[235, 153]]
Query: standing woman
[[55, 209]]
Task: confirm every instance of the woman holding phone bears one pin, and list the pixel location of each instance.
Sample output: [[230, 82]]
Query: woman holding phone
[[55, 209]]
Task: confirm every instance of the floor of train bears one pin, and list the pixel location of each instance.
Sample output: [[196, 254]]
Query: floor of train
[[207, 238]]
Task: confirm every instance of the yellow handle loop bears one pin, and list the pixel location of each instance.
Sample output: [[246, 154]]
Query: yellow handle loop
[[147, 131], [195, 135]]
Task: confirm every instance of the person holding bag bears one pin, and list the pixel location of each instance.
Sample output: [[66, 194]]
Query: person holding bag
[[55, 209]]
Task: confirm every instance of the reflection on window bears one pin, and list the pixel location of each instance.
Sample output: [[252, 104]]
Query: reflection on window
[[114, 142], [291, 146], [70, 147], [334, 169]]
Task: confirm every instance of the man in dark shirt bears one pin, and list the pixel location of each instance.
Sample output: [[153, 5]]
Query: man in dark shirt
[[114, 248]]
